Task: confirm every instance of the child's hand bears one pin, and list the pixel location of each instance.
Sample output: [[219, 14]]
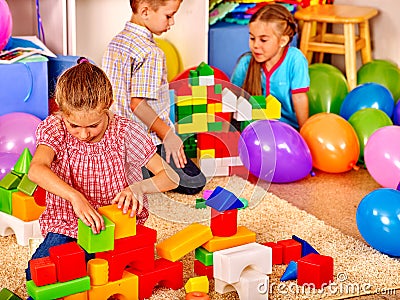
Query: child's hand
[[88, 214], [173, 145], [130, 197]]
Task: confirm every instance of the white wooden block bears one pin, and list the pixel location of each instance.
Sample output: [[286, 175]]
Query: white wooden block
[[243, 111], [208, 166], [229, 101], [206, 80], [252, 285], [228, 264], [23, 230]]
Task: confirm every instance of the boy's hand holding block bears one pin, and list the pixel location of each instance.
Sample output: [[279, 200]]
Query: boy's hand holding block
[[125, 225]]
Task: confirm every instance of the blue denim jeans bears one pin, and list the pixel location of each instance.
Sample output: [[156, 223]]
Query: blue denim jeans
[[52, 239]]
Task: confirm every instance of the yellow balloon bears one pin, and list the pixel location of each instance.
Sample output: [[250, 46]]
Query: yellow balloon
[[332, 141], [174, 61]]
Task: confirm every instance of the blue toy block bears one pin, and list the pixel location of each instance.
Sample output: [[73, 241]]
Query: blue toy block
[[222, 200], [306, 248], [290, 272]]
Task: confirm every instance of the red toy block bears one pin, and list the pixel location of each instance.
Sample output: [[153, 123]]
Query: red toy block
[[43, 271], [277, 252], [40, 196], [182, 88], [137, 258], [221, 116], [205, 141], [165, 273], [212, 97], [70, 261], [203, 270], [315, 269], [145, 236], [223, 223], [291, 250]]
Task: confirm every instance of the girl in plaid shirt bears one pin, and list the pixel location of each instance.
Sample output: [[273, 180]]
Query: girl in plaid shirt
[[86, 158]]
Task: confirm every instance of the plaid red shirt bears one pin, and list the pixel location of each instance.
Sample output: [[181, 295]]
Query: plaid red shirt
[[98, 170]]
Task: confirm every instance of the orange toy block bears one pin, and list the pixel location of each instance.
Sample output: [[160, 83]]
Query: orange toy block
[[243, 236], [184, 241], [78, 296], [25, 208], [127, 287], [98, 271], [125, 225]]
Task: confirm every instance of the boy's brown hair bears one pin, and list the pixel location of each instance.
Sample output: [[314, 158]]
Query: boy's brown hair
[[154, 4]]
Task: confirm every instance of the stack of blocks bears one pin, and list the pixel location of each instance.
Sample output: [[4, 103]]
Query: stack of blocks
[[21, 202], [124, 263], [202, 106], [223, 251]]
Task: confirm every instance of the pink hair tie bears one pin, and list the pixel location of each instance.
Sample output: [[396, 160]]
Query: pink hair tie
[[82, 60]]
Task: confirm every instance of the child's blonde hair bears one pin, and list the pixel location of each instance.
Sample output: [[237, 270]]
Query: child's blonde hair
[[285, 25], [83, 87], [154, 4]]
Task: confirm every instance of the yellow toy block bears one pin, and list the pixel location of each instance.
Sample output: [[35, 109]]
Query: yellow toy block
[[199, 101], [210, 118], [258, 114], [273, 110], [197, 284], [127, 287], [185, 128], [243, 236], [79, 296], [199, 91], [184, 241], [200, 122], [184, 100], [125, 225], [218, 107], [97, 269], [25, 208], [207, 153], [211, 108]]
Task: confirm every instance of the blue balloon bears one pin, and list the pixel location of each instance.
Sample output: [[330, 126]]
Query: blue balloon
[[378, 220], [367, 95]]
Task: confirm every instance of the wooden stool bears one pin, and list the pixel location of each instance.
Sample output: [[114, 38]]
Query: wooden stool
[[347, 43]]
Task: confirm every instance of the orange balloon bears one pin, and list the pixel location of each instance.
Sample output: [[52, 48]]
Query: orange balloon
[[332, 141]]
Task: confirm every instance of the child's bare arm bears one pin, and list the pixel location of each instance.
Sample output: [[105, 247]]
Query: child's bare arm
[[172, 143], [300, 104], [41, 174], [164, 179]]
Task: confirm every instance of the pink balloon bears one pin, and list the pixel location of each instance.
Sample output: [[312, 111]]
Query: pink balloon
[[5, 24], [382, 156], [7, 162], [17, 132]]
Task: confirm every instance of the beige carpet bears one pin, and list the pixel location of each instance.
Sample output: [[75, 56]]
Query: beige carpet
[[358, 268]]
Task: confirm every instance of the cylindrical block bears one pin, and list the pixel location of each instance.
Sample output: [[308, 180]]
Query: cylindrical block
[[98, 271], [224, 223], [197, 296]]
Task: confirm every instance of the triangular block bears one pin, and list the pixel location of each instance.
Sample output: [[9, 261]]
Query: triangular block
[[23, 162], [290, 272], [306, 248], [222, 200]]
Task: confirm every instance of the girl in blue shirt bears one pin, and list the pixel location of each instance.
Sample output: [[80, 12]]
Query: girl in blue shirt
[[272, 66]]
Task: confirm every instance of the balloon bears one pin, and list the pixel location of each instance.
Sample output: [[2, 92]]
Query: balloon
[[365, 122], [378, 220], [328, 88], [382, 156], [5, 24], [396, 114], [257, 149], [332, 141], [173, 59], [366, 95], [383, 72], [293, 158], [17, 132], [7, 162]]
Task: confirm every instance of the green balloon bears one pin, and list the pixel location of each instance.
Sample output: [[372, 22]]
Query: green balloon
[[328, 88], [383, 72], [365, 122]]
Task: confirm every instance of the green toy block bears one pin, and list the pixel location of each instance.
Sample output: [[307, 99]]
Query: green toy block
[[20, 175], [58, 290], [10, 181], [184, 110], [6, 294], [245, 203], [214, 126], [23, 162], [244, 124], [204, 256], [94, 243], [185, 119], [26, 186], [200, 108], [6, 200], [258, 102], [201, 203], [218, 88], [204, 69], [193, 78]]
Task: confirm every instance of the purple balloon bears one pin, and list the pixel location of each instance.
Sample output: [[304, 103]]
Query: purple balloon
[[7, 162], [17, 132], [278, 155], [5, 24], [396, 113]]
